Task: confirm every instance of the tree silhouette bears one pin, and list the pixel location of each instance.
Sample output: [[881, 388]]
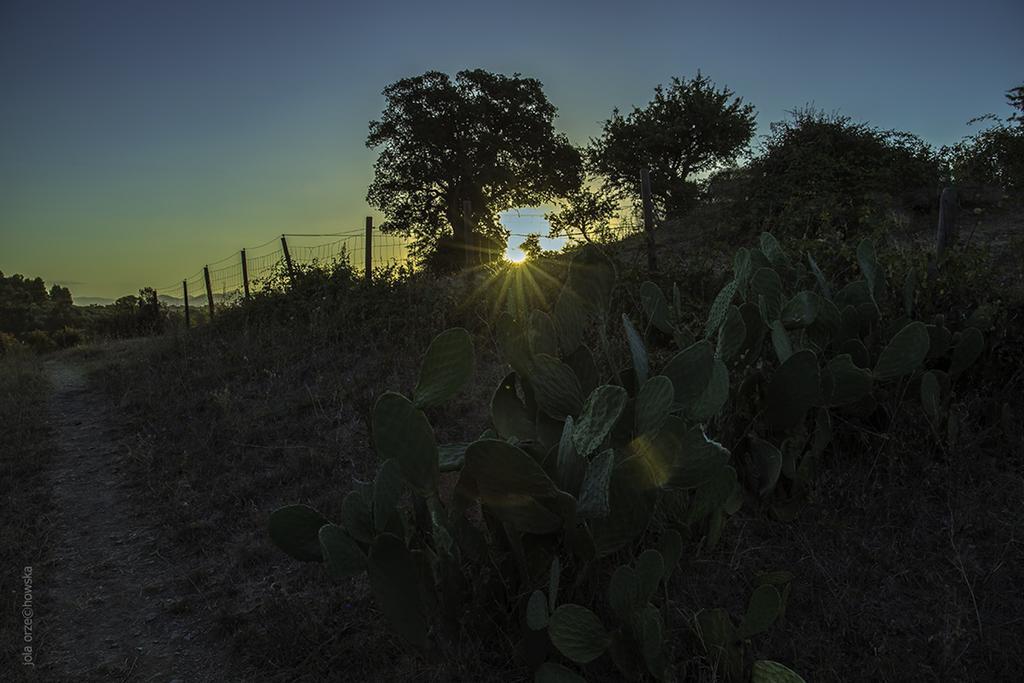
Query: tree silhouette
[[585, 213], [531, 247], [1015, 98], [688, 128], [486, 138]]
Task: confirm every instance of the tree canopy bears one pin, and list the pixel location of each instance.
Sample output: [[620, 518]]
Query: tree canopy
[[482, 137], [585, 213], [688, 128], [995, 154], [825, 171]]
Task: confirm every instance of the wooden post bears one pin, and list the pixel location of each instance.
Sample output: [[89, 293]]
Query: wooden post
[[947, 221], [209, 290], [945, 235], [368, 267], [648, 202], [156, 300], [184, 295], [467, 228], [245, 275], [287, 258]]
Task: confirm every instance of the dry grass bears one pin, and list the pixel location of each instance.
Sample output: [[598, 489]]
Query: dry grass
[[25, 450], [908, 560]]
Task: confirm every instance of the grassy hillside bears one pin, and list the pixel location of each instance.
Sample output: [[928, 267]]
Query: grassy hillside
[[905, 557]]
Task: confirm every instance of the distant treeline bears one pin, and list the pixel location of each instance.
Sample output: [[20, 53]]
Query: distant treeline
[[46, 320]]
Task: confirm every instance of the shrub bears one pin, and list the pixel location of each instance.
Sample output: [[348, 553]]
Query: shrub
[[39, 341], [131, 316], [993, 156], [823, 172], [8, 343], [66, 337]]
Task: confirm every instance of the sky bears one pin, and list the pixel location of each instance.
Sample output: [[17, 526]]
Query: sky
[[140, 140]]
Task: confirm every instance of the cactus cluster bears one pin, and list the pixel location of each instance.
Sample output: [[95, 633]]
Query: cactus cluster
[[792, 349], [586, 458]]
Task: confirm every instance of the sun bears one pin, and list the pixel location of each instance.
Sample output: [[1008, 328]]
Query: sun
[[516, 258]]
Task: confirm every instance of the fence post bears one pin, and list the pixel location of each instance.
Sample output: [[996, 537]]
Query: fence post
[[209, 290], [184, 295], [467, 228], [947, 221], [368, 266], [245, 275], [648, 203], [946, 232], [287, 258]]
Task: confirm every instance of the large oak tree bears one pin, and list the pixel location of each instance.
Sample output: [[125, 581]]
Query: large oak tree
[[483, 137]]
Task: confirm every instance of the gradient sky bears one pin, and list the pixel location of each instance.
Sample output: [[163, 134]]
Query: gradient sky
[[140, 139]]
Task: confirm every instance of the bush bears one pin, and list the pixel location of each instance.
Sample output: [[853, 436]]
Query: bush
[[39, 341], [66, 337], [992, 157], [131, 316], [822, 172], [8, 344]]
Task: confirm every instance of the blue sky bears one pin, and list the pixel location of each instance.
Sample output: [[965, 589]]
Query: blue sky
[[141, 139]]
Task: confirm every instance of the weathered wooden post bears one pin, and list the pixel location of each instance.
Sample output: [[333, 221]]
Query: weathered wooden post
[[368, 267], [209, 290], [184, 296], [287, 258], [947, 233], [467, 229], [648, 204], [245, 275]]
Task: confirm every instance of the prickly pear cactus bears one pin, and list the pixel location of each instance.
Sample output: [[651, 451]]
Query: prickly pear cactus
[[604, 452]]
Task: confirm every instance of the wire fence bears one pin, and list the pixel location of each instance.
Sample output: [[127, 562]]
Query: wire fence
[[253, 268]]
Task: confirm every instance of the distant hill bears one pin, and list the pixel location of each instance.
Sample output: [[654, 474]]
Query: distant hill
[[165, 299], [199, 301], [91, 301]]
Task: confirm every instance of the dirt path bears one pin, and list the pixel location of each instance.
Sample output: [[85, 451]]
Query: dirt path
[[121, 607]]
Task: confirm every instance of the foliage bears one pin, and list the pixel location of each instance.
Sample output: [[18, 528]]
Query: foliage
[[570, 478], [531, 247], [821, 172], [484, 138], [994, 155], [592, 474], [688, 128], [25, 305], [42, 320], [132, 316], [585, 213], [795, 348], [47, 320]]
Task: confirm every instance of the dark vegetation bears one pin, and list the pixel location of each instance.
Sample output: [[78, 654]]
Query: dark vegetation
[[855, 518], [41, 320], [25, 451], [691, 127], [902, 546], [486, 139]]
